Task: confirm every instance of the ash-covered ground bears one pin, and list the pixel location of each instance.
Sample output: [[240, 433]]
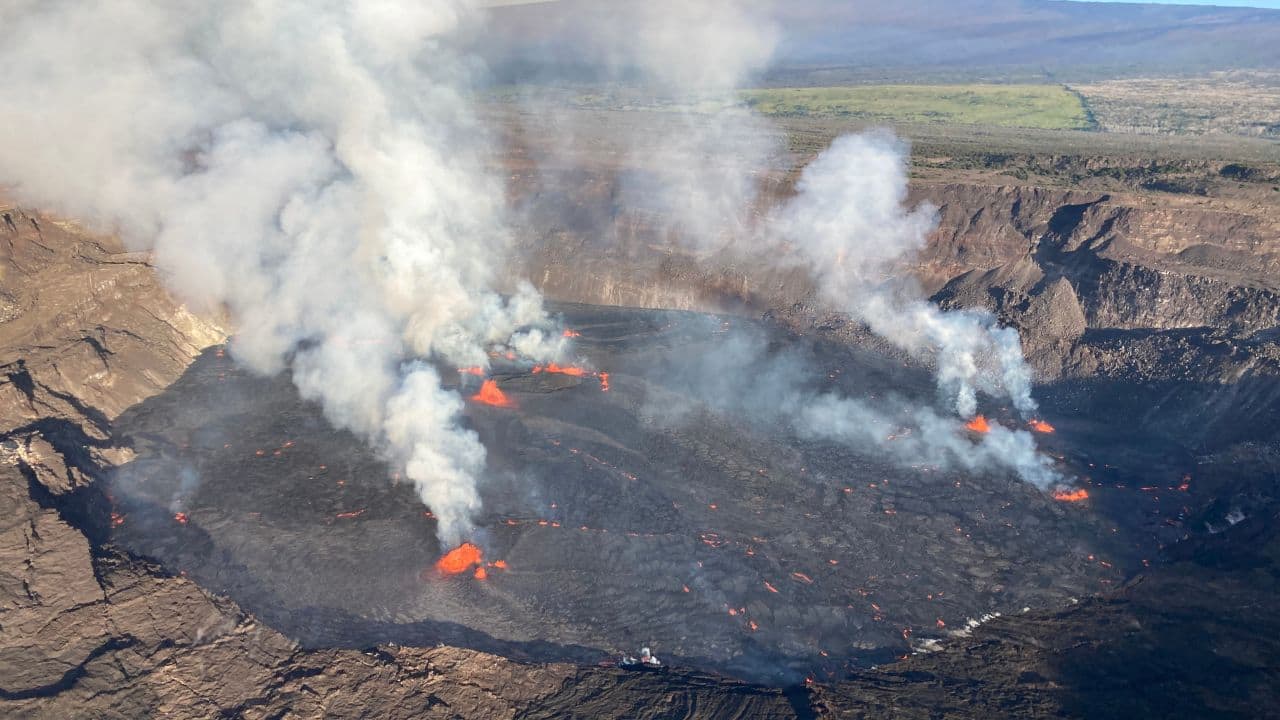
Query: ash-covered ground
[[643, 513]]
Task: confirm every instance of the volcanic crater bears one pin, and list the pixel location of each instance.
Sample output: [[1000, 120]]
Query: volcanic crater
[[624, 506]]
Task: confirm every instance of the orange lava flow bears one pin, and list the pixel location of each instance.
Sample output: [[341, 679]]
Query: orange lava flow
[[769, 586], [460, 559], [500, 564], [560, 369], [1040, 426], [1070, 495], [481, 573], [490, 394], [604, 381], [180, 517], [477, 371], [979, 424], [571, 333]]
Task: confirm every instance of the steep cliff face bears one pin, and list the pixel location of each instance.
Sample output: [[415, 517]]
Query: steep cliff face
[[1132, 265], [1064, 267], [983, 227], [87, 332]]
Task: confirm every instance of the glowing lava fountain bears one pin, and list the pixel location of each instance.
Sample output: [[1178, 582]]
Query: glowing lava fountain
[[460, 559], [491, 394], [979, 424]]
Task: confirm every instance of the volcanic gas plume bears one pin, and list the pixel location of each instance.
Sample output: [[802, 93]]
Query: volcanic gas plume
[[848, 224], [314, 169], [332, 189]]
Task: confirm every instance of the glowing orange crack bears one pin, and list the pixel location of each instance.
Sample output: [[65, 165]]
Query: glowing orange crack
[[1070, 495]]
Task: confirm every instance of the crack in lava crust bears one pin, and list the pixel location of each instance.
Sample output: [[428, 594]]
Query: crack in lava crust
[[716, 542]]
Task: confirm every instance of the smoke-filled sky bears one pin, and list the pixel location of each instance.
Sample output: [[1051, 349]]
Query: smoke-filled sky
[[319, 171]]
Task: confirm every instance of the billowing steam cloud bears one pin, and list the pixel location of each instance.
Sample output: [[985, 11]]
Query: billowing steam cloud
[[849, 224], [932, 440], [314, 168]]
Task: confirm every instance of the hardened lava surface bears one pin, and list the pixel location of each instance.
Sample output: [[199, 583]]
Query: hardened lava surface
[[628, 516]]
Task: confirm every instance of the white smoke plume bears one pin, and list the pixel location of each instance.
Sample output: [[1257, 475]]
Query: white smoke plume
[[748, 377], [849, 223], [922, 437], [313, 167]]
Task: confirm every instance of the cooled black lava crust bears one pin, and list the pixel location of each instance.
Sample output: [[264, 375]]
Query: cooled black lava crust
[[632, 516]]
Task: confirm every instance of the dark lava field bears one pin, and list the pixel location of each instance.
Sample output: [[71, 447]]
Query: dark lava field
[[647, 507]]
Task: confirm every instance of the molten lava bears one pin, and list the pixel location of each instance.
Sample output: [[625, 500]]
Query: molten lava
[[979, 424], [460, 559], [477, 371], [1070, 494], [481, 573], [573, 371], [180, 517], [1040, 426], [560, 369], [490, 394], [571, 333]]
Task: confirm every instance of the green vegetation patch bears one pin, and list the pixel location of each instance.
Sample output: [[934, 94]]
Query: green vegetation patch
[[1050, 107]]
